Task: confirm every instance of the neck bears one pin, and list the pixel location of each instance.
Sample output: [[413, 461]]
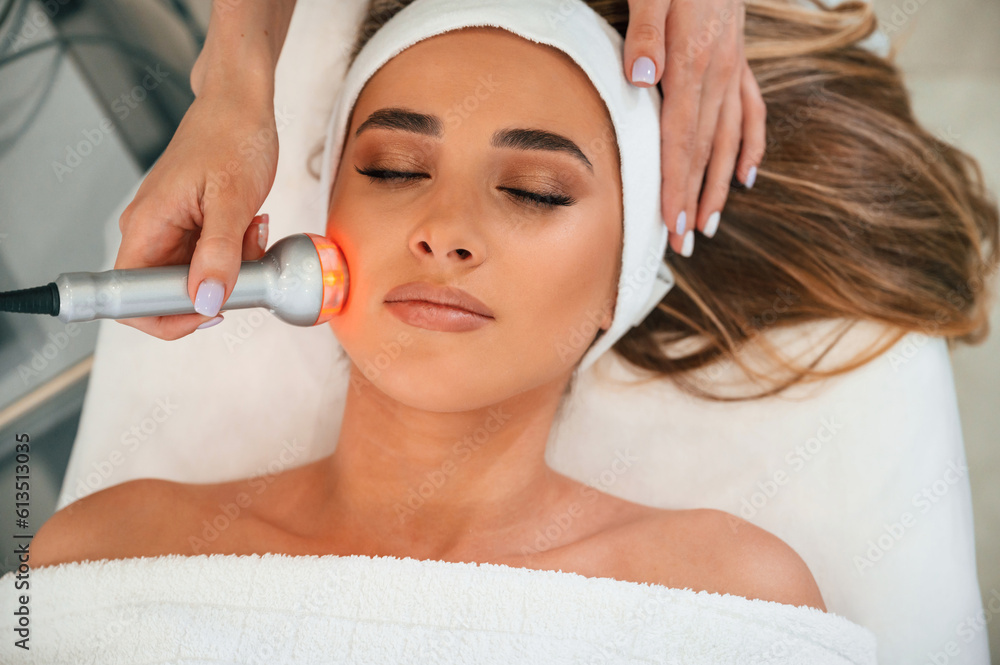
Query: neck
[[430, 483]]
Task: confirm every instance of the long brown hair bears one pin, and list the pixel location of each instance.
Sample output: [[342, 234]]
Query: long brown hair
[[857, 214]]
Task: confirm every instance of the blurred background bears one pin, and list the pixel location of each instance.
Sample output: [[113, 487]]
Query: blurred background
[[90, 93], [92, 90], [950, 56]]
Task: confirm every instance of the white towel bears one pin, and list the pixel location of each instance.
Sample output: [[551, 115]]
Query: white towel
[[277, 608]]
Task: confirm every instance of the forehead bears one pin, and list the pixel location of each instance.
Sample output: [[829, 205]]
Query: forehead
[[482, 78]]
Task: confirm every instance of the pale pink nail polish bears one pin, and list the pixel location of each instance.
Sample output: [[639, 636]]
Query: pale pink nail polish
[[262, 234], [211, 322]]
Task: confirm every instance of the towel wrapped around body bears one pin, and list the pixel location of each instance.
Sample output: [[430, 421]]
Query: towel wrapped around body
[[277, 608]]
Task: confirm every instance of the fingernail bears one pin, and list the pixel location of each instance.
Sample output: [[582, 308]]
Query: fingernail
[[262, 232], [208, 302], [688, 246], [751, 176], [211, 322], [712, 224], [643, 70], [681, 222]]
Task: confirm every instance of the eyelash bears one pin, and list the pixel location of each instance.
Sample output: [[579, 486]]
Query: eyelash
[[530, 198]]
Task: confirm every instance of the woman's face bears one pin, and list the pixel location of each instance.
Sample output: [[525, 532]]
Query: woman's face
[[546, 271]]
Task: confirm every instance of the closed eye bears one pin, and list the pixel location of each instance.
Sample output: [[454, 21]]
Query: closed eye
[[530, 198]]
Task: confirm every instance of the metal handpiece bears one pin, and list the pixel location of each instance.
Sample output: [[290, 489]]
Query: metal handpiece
[[302, 279]]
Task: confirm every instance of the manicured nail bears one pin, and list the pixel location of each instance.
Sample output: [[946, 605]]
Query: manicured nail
[[712, 224], [681, 222], [262, 232], [208, 302], [751, 176], [643, 70], [688, 246], [211, 322]]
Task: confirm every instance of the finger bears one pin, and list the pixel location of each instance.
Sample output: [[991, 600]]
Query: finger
[[725, 149], [709, 105], [645, 42], [167, 328], [148, 245], [687, 79], [151, 239], [754, 128], [709, 126], [217, 257], [255, 239], [682, 89]]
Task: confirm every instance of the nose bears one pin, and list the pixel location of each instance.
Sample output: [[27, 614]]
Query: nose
[[451, 243], [424, 247]]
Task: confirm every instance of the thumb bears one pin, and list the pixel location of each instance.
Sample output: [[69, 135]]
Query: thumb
[[645, 43], [215, 264]]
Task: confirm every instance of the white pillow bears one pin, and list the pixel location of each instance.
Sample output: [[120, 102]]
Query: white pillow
[[838, 470]]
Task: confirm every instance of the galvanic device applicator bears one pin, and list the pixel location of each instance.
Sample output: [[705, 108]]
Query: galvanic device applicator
[[302, 280]]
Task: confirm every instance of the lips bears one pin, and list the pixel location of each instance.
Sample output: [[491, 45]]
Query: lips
[[443, 308]]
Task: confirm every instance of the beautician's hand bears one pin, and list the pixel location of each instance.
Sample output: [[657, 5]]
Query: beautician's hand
[[710, 102], [197, 204]]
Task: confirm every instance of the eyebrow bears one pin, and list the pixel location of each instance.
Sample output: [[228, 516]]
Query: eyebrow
[[430, 125]]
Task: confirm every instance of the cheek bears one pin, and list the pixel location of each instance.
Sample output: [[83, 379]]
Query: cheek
[[360, 245], [570, 287]]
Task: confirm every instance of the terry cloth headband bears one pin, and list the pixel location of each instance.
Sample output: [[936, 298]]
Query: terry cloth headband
[[575, 29]]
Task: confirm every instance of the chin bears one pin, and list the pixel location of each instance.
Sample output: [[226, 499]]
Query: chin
[[440, 384], [447, 382]]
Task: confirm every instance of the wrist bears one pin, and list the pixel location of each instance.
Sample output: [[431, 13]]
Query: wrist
[[233, 76], [241, 48]]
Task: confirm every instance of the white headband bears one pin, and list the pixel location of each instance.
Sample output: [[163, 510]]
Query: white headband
[[574, 28]]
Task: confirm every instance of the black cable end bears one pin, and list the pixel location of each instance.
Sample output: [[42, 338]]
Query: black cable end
[[36, 300]]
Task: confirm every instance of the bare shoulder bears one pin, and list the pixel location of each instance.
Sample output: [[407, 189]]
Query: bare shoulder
[[716, 551], [116, 522]]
